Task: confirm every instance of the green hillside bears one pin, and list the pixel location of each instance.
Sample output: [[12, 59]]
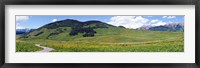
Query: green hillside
[[95, 36]]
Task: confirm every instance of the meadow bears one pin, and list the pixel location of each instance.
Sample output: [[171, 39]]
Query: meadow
[[26, 47], [109, 40]]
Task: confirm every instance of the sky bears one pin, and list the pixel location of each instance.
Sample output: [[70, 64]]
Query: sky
[[132, 22]]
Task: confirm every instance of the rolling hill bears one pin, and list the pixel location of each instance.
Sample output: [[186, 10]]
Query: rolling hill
[[67, 28]]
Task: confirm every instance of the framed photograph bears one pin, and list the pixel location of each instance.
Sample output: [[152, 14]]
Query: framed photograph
[[102, 33]]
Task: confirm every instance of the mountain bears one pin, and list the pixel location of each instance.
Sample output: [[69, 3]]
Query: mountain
[[168, 27], [145, 27], [68, 28], [23, 31]]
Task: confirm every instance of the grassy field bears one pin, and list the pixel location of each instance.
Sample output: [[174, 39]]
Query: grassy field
[[26, 47], [108, 40]]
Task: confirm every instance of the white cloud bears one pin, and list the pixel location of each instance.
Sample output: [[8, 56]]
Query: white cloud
[[21, 18], [154, 21], [171, 17], [128, 21], [18, 26], [164, 16], [54, 20], [159, 23]]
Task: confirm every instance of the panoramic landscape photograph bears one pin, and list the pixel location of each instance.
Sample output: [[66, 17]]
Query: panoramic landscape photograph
[[99, 33]]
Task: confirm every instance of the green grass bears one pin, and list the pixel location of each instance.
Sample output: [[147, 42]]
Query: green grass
[[75, 46], [26, 47], [111, 39]]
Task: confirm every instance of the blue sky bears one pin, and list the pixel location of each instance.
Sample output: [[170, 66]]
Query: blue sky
[[133, 22]]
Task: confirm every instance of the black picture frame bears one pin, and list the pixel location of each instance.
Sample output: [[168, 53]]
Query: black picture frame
[[99, 2]]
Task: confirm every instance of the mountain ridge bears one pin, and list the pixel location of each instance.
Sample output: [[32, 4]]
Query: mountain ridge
[[167, 27]]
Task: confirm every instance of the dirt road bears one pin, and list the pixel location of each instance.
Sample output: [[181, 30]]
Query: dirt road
[[45, 49]]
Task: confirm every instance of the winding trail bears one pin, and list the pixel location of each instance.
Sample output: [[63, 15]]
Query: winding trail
[[45, 49]]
